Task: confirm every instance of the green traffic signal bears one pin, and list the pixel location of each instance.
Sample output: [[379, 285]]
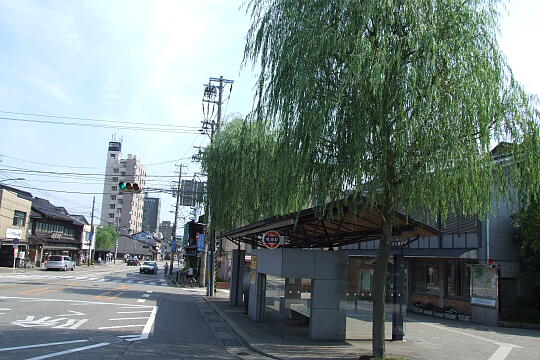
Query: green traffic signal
[[129, 187]]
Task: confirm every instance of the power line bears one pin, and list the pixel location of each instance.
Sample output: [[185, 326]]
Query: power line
[[16, 169], [162, 130], [94, 119]]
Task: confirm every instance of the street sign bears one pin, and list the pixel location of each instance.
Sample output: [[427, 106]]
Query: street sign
[[271, 239], [173, 246], [16, 241], [200, 241]]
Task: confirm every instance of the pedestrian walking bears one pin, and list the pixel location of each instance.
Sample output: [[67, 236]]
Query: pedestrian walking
[[166, 268]]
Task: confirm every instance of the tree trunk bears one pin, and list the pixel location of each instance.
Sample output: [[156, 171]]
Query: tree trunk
[[379, 282]]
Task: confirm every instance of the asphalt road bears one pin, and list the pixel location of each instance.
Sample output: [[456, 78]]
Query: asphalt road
[[107, 312]]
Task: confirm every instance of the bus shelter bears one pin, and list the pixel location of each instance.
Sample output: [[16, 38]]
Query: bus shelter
[[304, 285]]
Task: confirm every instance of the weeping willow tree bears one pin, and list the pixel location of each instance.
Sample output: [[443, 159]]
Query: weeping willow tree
[[244, 176], [399, 100]]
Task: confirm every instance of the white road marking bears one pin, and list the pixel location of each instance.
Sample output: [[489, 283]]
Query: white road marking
[[134, 312], [149, 291], [147, 327], [152, 283], [141, 300], [73, 313], [4, 309], [140, 282], [118, 327], [68, 351], [77, 302], [502, 352], [128, 336], [71, 324], [135, 318], [461, 332], [145, 295], [42, 345]]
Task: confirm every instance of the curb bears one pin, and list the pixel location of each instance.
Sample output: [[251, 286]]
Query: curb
[[239, 332]]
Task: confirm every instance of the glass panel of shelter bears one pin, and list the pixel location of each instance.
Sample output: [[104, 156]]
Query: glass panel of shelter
[[358, 303], [288, 306]]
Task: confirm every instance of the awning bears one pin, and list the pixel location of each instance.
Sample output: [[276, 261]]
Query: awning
[[49, 242], [305, 229], [420, 253], [46, 247]]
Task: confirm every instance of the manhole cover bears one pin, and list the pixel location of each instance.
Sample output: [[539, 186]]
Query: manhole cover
[[230, 342]]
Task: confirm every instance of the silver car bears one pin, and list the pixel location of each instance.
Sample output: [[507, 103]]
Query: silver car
[[60, 262]]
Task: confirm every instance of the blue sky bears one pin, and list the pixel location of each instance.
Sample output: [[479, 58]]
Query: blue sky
[[142, 61]]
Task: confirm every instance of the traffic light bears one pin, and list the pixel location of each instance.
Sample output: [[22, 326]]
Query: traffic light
[[129, 187]]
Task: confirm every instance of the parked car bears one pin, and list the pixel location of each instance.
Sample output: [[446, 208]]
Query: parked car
[[132, 262], [60, 262], [149, 267]]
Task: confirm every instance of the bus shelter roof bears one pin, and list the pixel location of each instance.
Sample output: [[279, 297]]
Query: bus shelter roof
[[307, 229]]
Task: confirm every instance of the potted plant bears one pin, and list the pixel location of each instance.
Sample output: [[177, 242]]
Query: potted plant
[[428, 309], [464, 317], [450, 313], [438, 312], [418, 307]]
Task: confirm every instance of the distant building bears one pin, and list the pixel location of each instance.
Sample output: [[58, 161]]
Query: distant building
[[122, 209], [88, 245], [151, 208], [166, 232], [14, 224]]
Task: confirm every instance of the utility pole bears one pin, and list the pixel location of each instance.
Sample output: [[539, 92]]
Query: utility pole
[[173, 238], [209, 97], [89, 254]]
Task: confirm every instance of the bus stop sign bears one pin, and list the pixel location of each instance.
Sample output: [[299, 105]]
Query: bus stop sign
[[271, 239]]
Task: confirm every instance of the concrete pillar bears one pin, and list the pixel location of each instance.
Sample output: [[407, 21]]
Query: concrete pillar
[[237, 276]]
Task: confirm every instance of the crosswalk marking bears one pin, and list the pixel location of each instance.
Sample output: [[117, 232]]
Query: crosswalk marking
[[152, 282]]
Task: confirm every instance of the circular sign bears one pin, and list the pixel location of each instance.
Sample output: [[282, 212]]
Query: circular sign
[[271, 239], [16, 241]]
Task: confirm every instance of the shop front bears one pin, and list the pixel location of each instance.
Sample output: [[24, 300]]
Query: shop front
[[8, 253]]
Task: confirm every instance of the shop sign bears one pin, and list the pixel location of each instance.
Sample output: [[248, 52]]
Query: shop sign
[[253, 264], [271, 239], [484, 302], [56, 235], [13, 233]]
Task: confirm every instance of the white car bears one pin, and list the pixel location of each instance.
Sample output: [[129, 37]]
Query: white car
[[60, 262]]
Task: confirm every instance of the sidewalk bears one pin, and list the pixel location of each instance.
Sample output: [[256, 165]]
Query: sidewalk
[[264, 339], [426, 338]]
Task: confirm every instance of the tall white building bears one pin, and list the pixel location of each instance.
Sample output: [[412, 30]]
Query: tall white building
[[122, 209]]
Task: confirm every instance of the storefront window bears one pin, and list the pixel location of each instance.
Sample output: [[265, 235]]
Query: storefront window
[[432, 277], [458, 275]]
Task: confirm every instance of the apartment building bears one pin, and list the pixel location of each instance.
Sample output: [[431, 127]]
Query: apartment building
[[122, 209]]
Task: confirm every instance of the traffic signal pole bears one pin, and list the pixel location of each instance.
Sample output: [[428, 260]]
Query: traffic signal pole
[[89, 253], [173, 235]]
